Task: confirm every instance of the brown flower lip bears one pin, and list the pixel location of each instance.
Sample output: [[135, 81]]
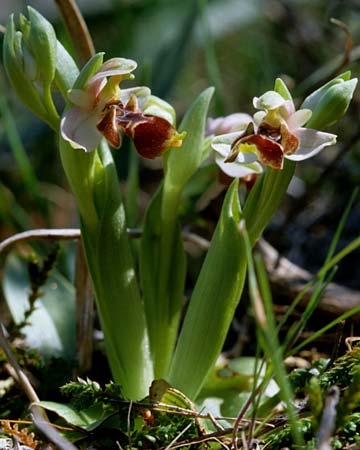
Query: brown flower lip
[[107, 127], [152, 135], [271, 144]]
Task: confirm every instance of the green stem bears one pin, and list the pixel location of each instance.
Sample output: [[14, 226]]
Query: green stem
[[95, 184], [213, 302], [264, 200], [168, 305]]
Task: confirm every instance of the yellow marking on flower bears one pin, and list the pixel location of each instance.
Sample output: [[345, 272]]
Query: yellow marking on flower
[[247, 148]]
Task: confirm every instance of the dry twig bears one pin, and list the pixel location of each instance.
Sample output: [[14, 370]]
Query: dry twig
[[77, 29]]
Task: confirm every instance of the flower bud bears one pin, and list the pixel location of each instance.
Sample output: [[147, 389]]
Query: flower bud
[[30, 60], [40, 39], [330, 102]]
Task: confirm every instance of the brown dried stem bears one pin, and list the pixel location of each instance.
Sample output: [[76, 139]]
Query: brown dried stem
[[84, 312], [77, 30], [39, 235], [21, 378]]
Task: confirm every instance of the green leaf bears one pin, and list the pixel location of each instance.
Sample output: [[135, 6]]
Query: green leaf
[[118, 297], [163, 301], [52, 325], [229, 385], [182, 163], [149, 258], [162, 293], [213, 302], [87, 419]]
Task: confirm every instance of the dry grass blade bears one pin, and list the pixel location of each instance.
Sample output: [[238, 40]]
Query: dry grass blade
[[48, 430], [216, 436], [178, 436], [21, 378], [84, 312], [38, 235], [327, 424], [77, 29], [129, 423], [22, 435]]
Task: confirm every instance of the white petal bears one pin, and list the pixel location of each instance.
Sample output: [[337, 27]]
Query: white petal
[[113, 67], [79, 129], [233, 122], [269, 100], [142, 94], [222, 144], [298, 119], [81, 98], [287, 109], [311, 143], [237, 170], [259, 117]]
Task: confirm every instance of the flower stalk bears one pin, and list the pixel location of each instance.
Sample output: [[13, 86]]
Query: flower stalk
[[162, 258]]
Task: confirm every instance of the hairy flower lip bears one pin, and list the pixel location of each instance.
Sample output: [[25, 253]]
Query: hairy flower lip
[[152, 135], [289, 141], [107, 127], [269, 152]]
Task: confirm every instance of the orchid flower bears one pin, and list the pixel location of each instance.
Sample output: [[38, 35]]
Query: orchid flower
[[226, 130], [102, 109], [274, 133]]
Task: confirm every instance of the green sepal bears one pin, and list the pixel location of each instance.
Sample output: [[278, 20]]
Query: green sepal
[[89, 70], [281, 88], [213, 302]]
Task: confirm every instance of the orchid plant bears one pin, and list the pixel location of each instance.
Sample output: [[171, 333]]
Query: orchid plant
[[140, 312]]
